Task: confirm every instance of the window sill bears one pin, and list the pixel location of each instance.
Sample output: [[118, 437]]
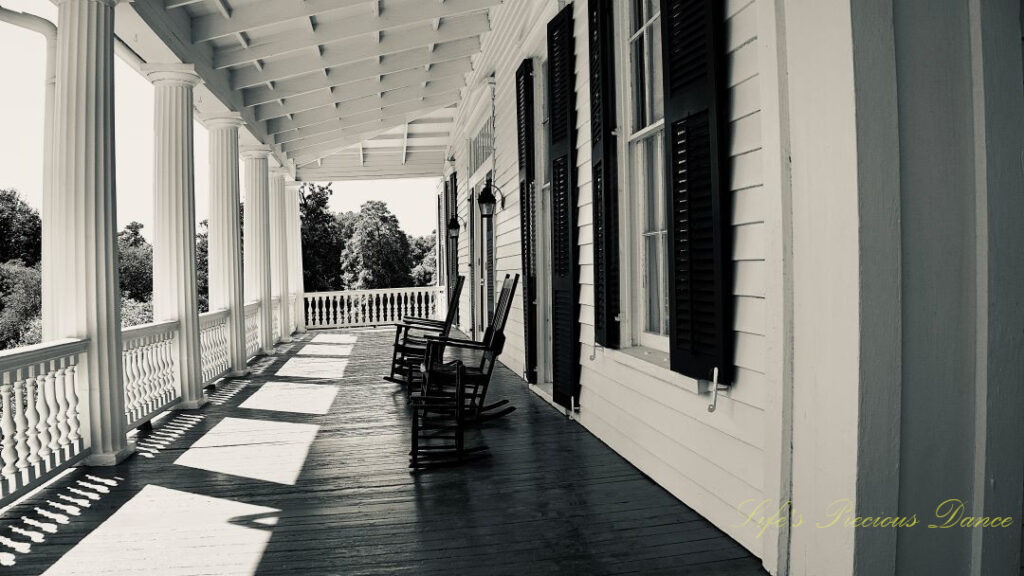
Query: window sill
[[655, 363]]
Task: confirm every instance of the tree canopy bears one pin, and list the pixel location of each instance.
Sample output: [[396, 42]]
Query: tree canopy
[[22, 229], [378, 255]]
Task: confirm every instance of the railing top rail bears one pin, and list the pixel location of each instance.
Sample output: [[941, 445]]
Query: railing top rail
[[37, 353], [413, 289], [145, 330], [213, 317], [252, 306]]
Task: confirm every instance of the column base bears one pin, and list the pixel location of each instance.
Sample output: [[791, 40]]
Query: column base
[[110, 458], [285, 340], [191, 404], [240, 373]]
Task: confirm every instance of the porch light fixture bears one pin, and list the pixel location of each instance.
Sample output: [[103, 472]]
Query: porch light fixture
[[486, 200], [453, 227]]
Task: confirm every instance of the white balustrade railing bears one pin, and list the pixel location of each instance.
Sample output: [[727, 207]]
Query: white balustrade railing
[[40, 419], [372, 307], [252, 329], [214, 342], [276, 314], [150, 375]]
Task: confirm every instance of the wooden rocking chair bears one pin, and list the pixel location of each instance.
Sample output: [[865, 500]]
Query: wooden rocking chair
[[441, 380], [439, 429], [410, 343]]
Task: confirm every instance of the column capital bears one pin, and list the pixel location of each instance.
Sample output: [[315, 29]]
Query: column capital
[[280, 172], [224, 120], [292, 185], [254, 151], [171, 73]]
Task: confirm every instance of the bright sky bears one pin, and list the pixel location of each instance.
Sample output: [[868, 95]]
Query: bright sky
[[23, 58]]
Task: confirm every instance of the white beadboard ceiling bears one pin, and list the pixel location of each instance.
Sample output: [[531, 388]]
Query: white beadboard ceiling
[[341, 89]]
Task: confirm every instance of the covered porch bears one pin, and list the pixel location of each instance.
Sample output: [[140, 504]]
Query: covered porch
[[302, 467]]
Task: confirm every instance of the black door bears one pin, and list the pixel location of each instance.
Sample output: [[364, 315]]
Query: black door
[[564, 194]]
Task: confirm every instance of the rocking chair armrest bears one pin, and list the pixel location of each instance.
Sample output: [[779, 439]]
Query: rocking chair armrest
[[457, 342], [423, 321]]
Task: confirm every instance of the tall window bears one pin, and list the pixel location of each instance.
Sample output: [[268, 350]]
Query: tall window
[[646, 173]]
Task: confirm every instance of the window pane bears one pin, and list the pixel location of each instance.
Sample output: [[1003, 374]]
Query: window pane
[[639, 83], [638, 14], [653, 296], [657, 97]]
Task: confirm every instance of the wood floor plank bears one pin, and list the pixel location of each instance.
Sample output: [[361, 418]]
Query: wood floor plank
[[550, 499]]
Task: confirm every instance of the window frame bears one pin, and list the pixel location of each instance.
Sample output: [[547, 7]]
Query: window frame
[[634, 205]]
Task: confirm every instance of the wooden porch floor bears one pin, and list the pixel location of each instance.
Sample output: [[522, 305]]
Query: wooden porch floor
[[302, 469]]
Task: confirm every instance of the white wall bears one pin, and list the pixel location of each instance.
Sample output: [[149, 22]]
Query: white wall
[[714, 462], [655, 418]]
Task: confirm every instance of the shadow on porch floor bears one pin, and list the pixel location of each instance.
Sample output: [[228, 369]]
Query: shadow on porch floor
[[302, 469]]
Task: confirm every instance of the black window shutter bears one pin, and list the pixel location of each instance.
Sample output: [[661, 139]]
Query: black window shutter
[[564, 196], [452, 190], [527, 211], [604, 173], [696, 166]]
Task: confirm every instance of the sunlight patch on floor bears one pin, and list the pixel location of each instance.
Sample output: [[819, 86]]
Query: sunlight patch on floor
[[173, 532], [257, 449], [300, 367], [339, 350], [292, 397], [333, 338]]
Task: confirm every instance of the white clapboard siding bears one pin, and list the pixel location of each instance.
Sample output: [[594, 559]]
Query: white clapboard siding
[[713, 462]]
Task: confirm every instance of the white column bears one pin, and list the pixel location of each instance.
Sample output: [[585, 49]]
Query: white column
[[174, 205], [257, 239], [226, 289], [279, 251], [87, 302], [295, 253]]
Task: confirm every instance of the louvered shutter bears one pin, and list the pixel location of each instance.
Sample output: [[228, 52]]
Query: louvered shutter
[[564, 195], [452, 189], [527, 212], [604, 172], [698, 197]]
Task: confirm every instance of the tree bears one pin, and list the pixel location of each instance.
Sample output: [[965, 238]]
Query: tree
[[323, 238], [203, 265], [22, 230], [136, 263], [424, 259], [378, 255], [20, 302]]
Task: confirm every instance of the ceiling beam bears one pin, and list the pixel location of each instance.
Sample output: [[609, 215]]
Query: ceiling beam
[[359, 89], [368, 102], [172, 4], [346, 139], [365, 47], [260, 14], [365, 69], [331, 32], [319, 133], [405, 145], [223, 7]]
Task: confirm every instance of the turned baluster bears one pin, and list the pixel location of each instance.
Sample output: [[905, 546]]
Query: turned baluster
[[71, 389], [61, 385], [7, 451], [48, 412], [20, 420], [32, 415], [42, 412]]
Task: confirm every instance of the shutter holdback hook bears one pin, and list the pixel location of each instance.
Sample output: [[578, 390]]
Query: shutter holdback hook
[[714, 390]]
